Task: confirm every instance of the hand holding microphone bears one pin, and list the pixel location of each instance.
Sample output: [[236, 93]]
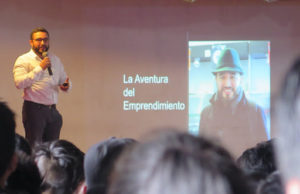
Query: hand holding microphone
[[46, 63]]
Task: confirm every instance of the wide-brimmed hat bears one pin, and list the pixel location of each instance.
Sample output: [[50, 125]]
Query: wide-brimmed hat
[[229, 60]]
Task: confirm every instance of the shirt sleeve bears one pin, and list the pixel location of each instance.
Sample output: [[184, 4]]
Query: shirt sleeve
[[23, 76], [63, 75]]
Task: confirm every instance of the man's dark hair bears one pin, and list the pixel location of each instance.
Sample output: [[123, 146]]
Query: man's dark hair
[[22, 145], [61, 166], [39, 29], [99, 162], [258, 162], [176, 162], [7, 137], [26, 178], [258, 159]]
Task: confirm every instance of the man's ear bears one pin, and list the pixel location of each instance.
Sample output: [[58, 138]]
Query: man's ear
[[31, 42], [10, 168], [82, 188], [84, 191], [13, 164]]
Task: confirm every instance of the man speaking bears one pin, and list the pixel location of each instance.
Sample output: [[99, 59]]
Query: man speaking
[[40, 74], [230, 116]]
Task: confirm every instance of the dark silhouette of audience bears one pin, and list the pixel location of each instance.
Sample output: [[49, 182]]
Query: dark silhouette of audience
[[26, 178], [22, 145], [177, 163], [8, 159], [99, 162]]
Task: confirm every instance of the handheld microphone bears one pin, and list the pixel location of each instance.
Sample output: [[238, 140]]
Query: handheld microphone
[[45, 54]]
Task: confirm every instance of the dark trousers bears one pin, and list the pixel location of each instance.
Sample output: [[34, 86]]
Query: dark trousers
[[41, 122]]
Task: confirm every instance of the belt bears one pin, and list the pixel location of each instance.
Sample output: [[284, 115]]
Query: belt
[[51, 106]]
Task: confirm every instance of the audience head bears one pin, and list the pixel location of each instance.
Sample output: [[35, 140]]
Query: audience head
[[259, 159], [99, 162], [258, 162], [7, 141], [176, 162], [26, 178], [272, 185], [22, 145], [61, 166]]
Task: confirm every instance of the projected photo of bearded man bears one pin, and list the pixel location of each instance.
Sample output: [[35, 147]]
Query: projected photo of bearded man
[[230, 116]]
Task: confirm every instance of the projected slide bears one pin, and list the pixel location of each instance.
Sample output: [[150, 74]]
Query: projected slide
[[229, 91]]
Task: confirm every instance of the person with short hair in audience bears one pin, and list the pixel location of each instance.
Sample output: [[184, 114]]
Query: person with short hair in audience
[[99, 162], [26, 178], [22, 145], [8, 158], [177, 163], [258, 162], [60, 164]]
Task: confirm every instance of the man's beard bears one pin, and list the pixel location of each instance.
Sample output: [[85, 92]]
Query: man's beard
[[230, 99], [228, 93], [37, 49]]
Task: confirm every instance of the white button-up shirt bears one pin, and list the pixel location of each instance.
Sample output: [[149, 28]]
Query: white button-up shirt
[[38, 85]]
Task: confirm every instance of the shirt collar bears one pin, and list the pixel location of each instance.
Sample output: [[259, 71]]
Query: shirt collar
[[34, 55]]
